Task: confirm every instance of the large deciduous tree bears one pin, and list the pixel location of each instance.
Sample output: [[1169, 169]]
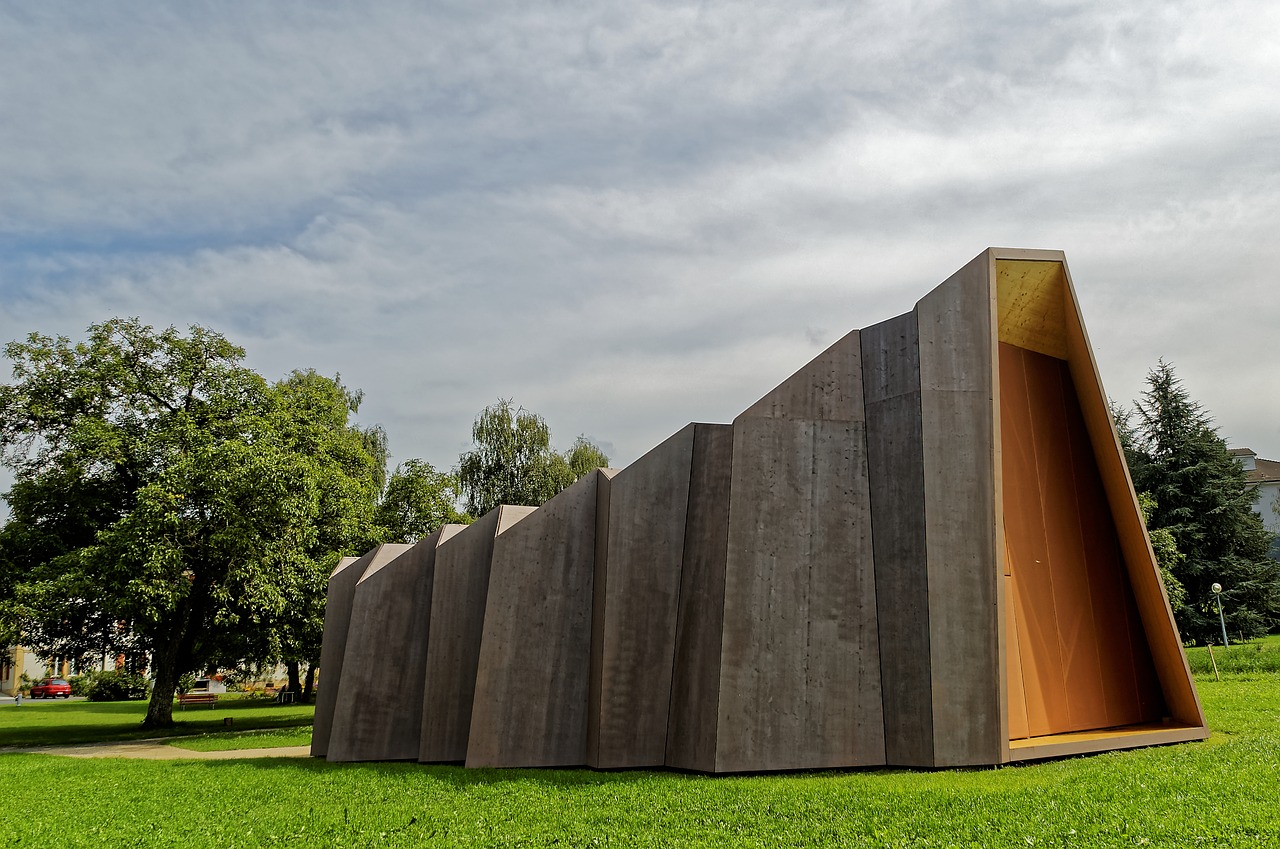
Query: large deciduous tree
[[513, 461], [348, 466], [169, 490], [418, 501], [1202, 500]]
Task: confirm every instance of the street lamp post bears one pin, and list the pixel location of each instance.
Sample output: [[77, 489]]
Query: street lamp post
[[1217, 591]]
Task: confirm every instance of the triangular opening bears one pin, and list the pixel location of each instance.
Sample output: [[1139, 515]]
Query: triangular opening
[[1075, 647]]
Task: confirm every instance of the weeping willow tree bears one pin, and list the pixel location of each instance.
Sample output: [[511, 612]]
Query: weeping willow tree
[[513, 461]]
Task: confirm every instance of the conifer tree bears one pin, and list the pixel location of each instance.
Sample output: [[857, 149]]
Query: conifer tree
[[1203, 502]]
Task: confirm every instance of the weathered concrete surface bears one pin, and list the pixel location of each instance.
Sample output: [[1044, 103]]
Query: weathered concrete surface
[[639, 554], [800, 681], [958, 405], [891, 386], [457, 624], [827, 388], [693, 720], [333, 646], [378, 715], [532, 679]]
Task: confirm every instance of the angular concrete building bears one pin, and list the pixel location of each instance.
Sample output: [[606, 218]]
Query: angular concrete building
[[333, 646], [921, 549], [461, 591], [1021, 611], [378, 711]]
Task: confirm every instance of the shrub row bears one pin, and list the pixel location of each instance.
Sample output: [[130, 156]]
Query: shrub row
[[111, 686]]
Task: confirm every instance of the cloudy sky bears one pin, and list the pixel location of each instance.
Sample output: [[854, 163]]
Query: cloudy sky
[[629, 216]]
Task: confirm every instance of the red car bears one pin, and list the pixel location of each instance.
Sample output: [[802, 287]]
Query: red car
[[51, 688]]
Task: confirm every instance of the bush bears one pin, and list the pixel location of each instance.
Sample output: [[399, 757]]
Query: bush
[[80, 683], [26, 682], [117, 686]]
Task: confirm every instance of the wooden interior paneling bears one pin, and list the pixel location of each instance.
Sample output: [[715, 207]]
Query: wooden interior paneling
[[1074, 643], [1018, 725], [1064, 533], [1113, 606], [1031, 307], [1158, 631], [1085, 742], [1028, 554]]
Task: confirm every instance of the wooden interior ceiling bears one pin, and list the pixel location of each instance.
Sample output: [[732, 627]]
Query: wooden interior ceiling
[[1031, 305]]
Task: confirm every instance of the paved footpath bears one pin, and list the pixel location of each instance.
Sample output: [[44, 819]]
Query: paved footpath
[[156, 750]]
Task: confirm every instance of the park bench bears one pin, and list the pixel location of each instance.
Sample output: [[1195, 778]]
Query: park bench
[[185, 699]]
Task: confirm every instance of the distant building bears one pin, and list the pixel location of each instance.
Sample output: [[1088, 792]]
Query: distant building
[[1264, 477], [14, 662]]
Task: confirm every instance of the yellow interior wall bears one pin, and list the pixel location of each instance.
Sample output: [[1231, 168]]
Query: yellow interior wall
[[1031, 307]]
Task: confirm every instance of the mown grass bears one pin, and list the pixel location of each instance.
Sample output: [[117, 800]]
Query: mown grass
[[57, 723], [229, 741], [1219, 793], [1256, 657]]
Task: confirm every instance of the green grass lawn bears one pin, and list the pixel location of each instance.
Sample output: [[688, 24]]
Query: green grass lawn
[[43, 723], [1223, 792], [228, 741], [1252, 658]]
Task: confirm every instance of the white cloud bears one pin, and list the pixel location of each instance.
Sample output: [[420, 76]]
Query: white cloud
[[629, 216]]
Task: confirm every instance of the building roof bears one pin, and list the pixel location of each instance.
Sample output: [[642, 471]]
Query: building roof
[[1264, 471]]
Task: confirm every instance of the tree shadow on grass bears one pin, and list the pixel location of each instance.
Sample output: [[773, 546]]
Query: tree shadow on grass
[[57, 724], [456, 776]]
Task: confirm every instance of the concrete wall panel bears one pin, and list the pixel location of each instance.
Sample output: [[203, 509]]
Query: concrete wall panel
[[823, 389], [637, 592], [333, 646], [530, 706], [457, 623], [891, 376], [800, 685], [386, 645], [958, 403], [693, 720]]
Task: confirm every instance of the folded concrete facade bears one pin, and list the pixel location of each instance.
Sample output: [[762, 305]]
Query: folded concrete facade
[[333, 646], [380, 694], [530, 704], [639, 560], [922, 549], [461, 590]]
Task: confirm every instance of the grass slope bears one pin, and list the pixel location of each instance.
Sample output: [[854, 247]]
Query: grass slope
[[1219, 793]]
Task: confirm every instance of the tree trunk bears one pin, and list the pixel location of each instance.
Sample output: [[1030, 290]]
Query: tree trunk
[[308, 685], [165, 664], [291, 667]]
